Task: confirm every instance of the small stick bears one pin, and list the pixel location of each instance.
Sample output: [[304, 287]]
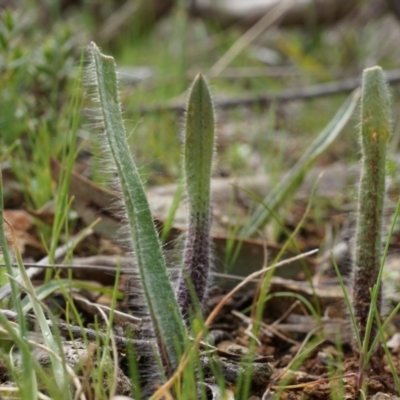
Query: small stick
[[38, 268], [306, 93], [160, 393]]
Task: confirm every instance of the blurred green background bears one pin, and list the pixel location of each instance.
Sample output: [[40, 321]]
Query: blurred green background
[[247, 51]]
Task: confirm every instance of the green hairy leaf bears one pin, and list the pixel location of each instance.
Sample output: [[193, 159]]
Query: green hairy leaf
[[198, 158], [157, 288], [374, 136]]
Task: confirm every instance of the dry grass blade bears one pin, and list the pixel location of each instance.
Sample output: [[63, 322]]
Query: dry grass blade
[[266, 21], [163, 390]]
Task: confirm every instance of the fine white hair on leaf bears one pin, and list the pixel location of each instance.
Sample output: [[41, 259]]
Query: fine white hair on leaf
[[118, 208], [134, 290]]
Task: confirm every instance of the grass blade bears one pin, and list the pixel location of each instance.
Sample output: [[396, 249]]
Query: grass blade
[[27, 385], [50, 340], [295, 176]]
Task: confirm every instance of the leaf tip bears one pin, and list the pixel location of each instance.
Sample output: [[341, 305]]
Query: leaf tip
[[376, 68]]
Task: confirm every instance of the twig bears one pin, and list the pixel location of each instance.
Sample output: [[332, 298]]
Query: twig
[[185, 358], [246, 13], [59, 253], [75, 266], [310, 92], [142, 347], [249, 278]]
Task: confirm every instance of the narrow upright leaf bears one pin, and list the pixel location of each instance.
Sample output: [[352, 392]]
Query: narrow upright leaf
[[374, 137], [198, 157], [145, 243]]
